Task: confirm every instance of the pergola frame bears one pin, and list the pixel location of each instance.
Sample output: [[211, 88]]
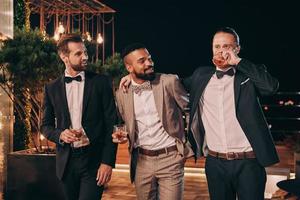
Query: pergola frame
[[85, 14]]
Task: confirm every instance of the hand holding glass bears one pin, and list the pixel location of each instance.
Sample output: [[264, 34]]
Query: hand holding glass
[[120, 134], [220, 61], [78, 133]]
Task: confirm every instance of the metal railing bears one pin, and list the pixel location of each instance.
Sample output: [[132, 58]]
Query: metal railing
[[282, 113]]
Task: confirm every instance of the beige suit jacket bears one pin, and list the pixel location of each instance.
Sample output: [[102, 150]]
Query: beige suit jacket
[[171, 102]]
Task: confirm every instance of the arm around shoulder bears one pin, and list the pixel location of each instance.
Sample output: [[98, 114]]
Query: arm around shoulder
[[180, 94]]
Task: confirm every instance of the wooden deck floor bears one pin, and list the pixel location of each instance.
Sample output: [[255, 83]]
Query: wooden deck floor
[[121, 188]]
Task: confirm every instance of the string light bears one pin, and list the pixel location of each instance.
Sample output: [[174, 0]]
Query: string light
[[88, 36], [56, 36], [42, 137], [61, 28], [99, 39]]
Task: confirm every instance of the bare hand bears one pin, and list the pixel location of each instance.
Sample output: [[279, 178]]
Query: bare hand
[[231, 56], [227, 58], [104, 174], [78, 133], [124, 83], [219, 61], [119, 137], [69, 136]]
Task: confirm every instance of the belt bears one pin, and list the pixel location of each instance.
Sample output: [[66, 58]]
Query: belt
[[156, 152], [80, 150], [232, 155]]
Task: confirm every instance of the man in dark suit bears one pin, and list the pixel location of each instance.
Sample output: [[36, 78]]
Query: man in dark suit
[[227, 123], [79, 113]]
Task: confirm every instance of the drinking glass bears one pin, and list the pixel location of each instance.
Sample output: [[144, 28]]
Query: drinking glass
[[120, 133]]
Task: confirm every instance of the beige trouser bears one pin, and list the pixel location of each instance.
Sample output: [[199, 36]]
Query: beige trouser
[[160, 177]]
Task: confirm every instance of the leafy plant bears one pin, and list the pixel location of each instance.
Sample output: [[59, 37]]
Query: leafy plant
[[19, 13], [28, 62], [113, 66]]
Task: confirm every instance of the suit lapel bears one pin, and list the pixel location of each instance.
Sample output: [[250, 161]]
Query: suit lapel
[[128, 104], [238, 78], [201, 84], [86, 91], [196, 124], [63, 95], [158, 93]]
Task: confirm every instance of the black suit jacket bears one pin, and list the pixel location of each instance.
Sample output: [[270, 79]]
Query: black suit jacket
[[98, 117], [250, 82]]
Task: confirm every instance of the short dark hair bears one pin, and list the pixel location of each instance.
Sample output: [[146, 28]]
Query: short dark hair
[[130, 48], [62, 44], [230, 31]]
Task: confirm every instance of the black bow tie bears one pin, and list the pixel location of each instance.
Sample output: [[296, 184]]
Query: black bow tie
[[70, 79], [220, 73]]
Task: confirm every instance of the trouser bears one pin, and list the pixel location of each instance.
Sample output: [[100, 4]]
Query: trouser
[[160, 177], [228, 179], [79, 180]]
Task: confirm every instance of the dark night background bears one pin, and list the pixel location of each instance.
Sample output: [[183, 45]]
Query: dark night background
[[178, 33]]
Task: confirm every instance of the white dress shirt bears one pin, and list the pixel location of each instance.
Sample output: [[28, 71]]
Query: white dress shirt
[[149, 129], [74, 92], [217, 107]]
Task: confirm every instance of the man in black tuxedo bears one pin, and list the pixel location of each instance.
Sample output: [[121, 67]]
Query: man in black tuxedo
[[79, 113], [227, 123]]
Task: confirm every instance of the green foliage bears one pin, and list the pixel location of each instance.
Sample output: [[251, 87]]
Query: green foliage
[[19, 13], [27, 62], [113, 66], [32, 59]]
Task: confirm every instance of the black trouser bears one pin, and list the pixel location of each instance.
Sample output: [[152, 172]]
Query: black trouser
[[80, 178], [244, 178]]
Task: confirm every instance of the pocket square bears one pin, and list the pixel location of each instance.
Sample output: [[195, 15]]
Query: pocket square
[[245, 81]]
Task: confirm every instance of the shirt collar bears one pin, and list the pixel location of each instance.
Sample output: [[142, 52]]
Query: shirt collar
[[225, 70], [82, 74], [135, 83]]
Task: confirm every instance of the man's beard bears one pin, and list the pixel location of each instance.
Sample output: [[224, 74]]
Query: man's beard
[[78, 67], [146, 77]]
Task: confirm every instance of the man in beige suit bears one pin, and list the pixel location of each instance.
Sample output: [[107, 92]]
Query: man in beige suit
[[152, 110]]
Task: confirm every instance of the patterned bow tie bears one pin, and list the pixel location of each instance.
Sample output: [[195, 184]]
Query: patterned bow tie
[[220, 73], [139, 88], [70, 79]]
